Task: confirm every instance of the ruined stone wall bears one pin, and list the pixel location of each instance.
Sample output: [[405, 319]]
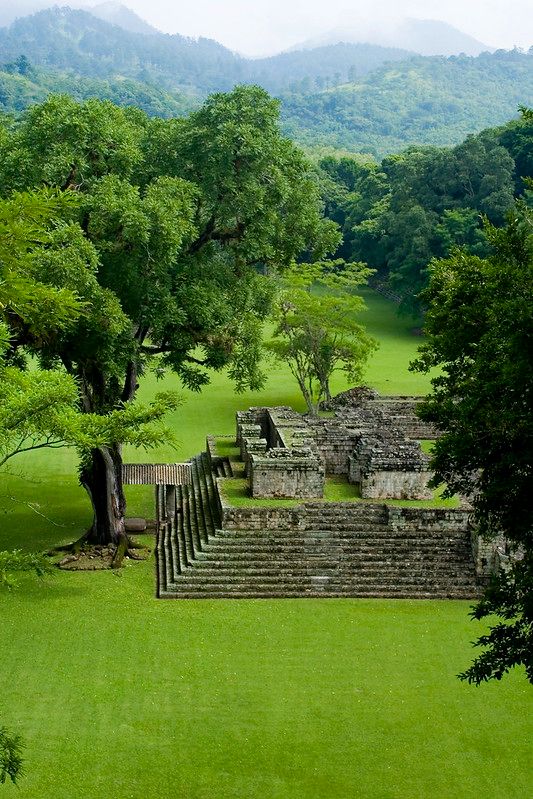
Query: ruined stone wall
[[396, 485], [489, 554], [286, 428], [390, 468], [402, 413], [286, 473], [290, 452], [427, 521], [399, 410], [335, 444], [253, 416], [430, 520], [261, 519]]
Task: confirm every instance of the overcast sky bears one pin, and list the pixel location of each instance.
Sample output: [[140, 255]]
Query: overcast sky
[[256, 27]]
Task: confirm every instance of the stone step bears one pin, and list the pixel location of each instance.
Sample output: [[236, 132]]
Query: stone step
[[311, 594], [279, 591], [301, 547], [329, 561], [386, 549], [336, 539], [343, 550], [340, 578], [347, 578]]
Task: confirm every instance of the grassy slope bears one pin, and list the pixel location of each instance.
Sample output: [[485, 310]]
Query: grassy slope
[[120, 696]]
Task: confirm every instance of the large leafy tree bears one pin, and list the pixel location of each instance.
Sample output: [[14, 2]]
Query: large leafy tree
[[41, 251], [317, 329], [480, 332], [185, 218]]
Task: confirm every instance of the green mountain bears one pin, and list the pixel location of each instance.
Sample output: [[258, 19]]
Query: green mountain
[[355, 97], [66, 39]]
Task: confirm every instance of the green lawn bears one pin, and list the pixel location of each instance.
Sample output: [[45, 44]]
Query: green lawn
[[121, 696]]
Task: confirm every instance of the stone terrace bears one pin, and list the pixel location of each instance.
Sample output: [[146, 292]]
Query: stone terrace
[[208, 548]]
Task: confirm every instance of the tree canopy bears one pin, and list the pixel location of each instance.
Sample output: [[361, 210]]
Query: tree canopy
[[424, 202], [317, 330], [177, 224], [479, 331], [11, 746]]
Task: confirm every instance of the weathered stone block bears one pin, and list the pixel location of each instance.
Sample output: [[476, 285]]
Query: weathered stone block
[[286, 476], [396, 485]]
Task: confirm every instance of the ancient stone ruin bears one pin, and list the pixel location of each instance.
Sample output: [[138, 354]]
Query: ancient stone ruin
[[285, 539], [280, 455], [371, 441]]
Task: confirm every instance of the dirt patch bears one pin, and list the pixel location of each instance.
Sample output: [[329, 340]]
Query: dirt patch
[[95, 558]]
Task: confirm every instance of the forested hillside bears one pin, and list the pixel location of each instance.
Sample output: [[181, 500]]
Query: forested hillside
[[424, 100], [22, 85], [426, 201], [78, 42], [304, 71]]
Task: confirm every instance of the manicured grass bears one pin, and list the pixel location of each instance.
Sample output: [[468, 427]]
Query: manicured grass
[[338, 489], [226, 447], [427, 446], [121, 696], [236, 492]]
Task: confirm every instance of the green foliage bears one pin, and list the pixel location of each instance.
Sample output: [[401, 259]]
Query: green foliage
[[316, 329], [27, 229], [40, 253], [33, 404], [35, 409], [417, 205], [17, 562], [479, 331], [18, 91], [11, 747], [68, 145]]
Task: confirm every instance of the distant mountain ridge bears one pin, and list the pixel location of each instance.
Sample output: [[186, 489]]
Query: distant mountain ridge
[[67, 39], [356, 97], [422, 36], [121, 15]]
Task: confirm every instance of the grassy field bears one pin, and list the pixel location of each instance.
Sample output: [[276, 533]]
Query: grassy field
[[121, 696]]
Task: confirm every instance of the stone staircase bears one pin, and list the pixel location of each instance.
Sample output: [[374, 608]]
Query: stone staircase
[[340, 550]]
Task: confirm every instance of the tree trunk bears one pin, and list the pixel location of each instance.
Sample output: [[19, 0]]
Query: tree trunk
[[102, 479]]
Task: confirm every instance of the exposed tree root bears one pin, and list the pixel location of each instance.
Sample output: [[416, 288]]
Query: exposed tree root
[[82, 555], [120, 552], [73, 548]]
